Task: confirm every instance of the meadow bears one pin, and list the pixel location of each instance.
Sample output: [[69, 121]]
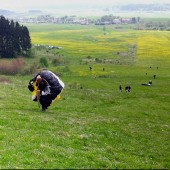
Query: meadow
[[93, 125]]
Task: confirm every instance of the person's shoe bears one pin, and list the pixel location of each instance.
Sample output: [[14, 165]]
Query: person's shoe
[[44, 109]]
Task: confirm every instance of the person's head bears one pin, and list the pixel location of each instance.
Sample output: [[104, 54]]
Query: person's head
[[38, 79]]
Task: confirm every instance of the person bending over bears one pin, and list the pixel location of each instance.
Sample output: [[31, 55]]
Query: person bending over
[[46, 87]]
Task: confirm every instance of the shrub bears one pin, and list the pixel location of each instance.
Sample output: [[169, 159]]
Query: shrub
[[97, 60], [30, 69], [89, 57], [57, 61], [11, 67], [66, 69], [43, 62]]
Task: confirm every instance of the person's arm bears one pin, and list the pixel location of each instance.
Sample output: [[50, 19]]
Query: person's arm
[[34, 78], [30, 84]]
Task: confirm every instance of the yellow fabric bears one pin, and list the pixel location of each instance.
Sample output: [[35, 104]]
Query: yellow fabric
[[35, 91]]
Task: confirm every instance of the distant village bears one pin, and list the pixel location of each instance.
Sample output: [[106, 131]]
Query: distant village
[[104, 20]]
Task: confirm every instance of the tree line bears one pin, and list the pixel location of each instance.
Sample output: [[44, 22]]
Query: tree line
[[14, 39]]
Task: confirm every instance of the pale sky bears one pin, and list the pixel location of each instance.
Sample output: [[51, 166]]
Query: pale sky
[[21, 5]]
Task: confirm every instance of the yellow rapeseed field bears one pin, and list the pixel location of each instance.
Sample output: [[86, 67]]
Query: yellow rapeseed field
[[94, 42], [153, 45]]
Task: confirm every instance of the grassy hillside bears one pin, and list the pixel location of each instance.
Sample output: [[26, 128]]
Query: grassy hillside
[[105, 42], [93, 125]]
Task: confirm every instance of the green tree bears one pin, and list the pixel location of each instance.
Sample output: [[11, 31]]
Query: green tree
[[14, 39]]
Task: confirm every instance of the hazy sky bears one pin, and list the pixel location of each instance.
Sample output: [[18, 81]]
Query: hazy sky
[[20, 5]]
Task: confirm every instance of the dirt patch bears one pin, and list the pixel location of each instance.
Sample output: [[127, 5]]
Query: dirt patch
[[4, 80]]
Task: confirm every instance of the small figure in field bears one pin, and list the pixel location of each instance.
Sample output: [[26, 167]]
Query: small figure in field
[[150, 67], [95, 76], [146, 73], [120, 88], [103, 69], [150, 82], [127, 89], [90, 68], [147, 84], [154, 76]]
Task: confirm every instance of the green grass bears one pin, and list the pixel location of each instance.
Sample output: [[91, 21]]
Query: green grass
[[79, 42], [93, 125]]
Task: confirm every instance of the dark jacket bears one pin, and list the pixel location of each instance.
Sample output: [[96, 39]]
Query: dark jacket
[[54, 84]]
